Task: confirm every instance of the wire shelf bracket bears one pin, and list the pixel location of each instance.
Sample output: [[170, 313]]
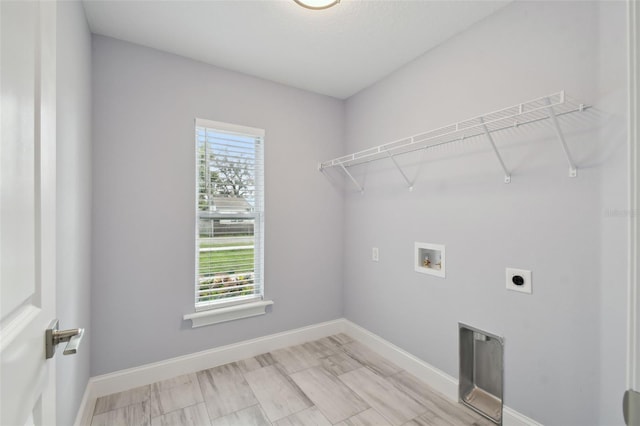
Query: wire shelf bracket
[[507, 175], [573, 171], [344, 169], [549, 107], [406, 179]]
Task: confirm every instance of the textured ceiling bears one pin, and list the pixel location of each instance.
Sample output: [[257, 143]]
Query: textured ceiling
[[336, 52]]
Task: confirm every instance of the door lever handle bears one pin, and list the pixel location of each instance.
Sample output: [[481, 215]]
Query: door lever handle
[[54, 336]]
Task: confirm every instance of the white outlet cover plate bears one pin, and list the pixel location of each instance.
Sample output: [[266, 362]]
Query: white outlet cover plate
[[526, 287]]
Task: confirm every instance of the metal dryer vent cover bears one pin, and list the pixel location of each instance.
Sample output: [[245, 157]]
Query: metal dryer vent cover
[[481, 372]]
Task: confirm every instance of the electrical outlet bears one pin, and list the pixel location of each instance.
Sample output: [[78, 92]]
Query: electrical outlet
[[375, 254], [518, 280]]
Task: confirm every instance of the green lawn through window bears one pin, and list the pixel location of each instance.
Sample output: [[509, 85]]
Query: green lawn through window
[[222, 262]]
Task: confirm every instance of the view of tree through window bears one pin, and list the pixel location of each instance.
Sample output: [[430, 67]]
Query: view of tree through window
[[229, 192]]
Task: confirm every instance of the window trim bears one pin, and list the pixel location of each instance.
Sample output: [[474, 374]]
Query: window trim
[[228, 313], [228, 310]]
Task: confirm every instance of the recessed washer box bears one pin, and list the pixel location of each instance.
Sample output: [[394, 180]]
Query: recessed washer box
[[430, 259]]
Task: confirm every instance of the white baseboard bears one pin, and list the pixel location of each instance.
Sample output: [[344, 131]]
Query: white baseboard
[[150, 373], [437, 379]]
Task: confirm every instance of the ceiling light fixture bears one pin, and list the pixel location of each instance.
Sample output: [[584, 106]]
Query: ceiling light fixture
[[317, 4]]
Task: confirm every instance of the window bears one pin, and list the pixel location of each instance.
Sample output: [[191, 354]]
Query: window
[[229, 214]]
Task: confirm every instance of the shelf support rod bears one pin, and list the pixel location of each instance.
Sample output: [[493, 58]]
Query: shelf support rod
[[406, 179], [573, 172], [507, 175], [344, 169]]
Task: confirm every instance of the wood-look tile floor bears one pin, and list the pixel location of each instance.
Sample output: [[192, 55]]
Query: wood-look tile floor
[[331, 381]]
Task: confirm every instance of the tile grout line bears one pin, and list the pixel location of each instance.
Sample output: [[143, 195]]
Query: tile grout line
[[244, 377]]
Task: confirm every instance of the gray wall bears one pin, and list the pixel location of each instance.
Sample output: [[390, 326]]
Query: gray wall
[[73, 273], [564, 354], [145, 102], [565, 344]]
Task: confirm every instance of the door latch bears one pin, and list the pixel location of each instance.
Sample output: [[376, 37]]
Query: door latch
[[53, 336]]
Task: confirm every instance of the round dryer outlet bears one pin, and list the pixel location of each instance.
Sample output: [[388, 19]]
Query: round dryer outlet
[[518, 280]]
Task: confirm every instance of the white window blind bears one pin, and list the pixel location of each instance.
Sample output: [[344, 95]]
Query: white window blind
[[229, 214]]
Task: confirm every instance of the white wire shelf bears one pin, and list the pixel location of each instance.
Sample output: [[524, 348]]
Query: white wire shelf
[[548, 107]]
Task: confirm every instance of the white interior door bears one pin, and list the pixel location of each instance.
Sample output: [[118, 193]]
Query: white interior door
[[27, 210]]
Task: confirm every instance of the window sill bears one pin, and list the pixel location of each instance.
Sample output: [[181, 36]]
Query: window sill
[[230, 313]]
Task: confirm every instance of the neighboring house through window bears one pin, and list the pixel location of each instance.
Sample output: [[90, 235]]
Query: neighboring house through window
[[229, 214]]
